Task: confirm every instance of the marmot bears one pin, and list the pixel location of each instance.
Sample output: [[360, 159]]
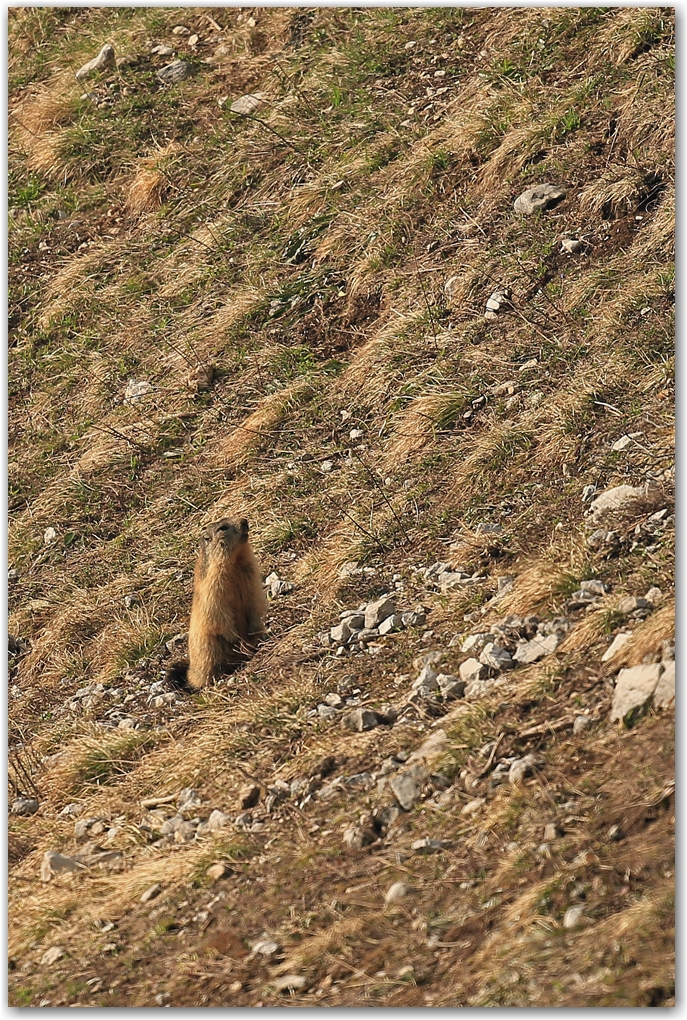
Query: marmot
[[228, 605]]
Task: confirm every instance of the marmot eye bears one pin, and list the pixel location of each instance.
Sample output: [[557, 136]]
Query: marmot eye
[[223, 527]]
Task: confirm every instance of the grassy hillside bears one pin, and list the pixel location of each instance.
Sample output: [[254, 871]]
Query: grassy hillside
[[301, 290]]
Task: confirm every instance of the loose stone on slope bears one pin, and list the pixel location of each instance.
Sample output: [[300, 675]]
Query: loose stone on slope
[[377, 612], [106, 58], [175, 72], [633, 691], [543, 196]]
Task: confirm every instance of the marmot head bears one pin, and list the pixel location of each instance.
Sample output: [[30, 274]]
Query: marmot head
[[224, 536]]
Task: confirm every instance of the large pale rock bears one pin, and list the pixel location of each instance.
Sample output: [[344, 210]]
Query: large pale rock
[[634, 689], [175, 72], [377, 612], [360, 719], [543, 196]]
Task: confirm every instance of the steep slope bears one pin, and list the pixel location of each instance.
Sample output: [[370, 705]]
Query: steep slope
[[278, 312]]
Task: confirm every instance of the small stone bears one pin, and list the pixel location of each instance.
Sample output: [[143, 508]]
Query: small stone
[[106, 58], [602, 539], [354, 619], [248, 796], [450, 686], [162, 51], [24, 806], [266, 947], [51, 956], [217, 871], [624, 443], [356, 434], [390, 624], [135, 391], [618, 642], [377, 612], [594, 587], [473, 806], [471, 670], [631, 603], [326, 712], [634, 689], [495, 657], [614, 499], [367, 634], [413, 619], [521, 768], [341, 633], [551, 832], [664, 695], [537, 648], [177, 71], [290, 983], [428, 846], [396, 892], [581, 723], [219, 820], [653, 595], [543, 196], [427, 678], [407, 786], [615, 834], [360, 719], [497, 300], [571, 245], [334, 700], [53, 863], [356, 838], [171, 825], [193, 40], [249, 103], [70, 810], [151, 893], [49, 536], [181, 30], [475, 642], [81, 828], [185, 833], [573, 916], [188, 798]]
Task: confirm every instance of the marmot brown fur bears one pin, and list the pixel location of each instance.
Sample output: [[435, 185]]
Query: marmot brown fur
[[228, 605]]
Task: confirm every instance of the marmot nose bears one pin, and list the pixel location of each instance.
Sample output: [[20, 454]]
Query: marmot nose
[[243, 524]]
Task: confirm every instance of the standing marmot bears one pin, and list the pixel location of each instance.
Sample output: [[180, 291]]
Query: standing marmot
[[228, 604]]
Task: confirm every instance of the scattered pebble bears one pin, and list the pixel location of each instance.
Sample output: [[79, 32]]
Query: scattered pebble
[[106, 58], [543, 196], [151, 893]]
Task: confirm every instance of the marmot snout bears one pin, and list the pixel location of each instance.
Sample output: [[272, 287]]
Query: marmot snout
[[228, 603]]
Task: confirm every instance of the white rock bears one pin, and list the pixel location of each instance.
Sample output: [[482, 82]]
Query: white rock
[[496, 657], [391, 623], [573, 916], [181, 30], [151, 893], [571, 245], [653, 595], [471, 670], [622, 444], [265, 947], [360, 719], [540, 197], [631, 603], [51, 956], [290, 982], [135, 391], [582, 723], [24, 806], [356, 433], [473, 806], [476, 642], [428, 846], [664, 695], [633, 690], [218, 819], [53, 863], [427, 678], [532, 651], [106, 58], [49, 536], [162, 51], [69, 810], [521, 768], [396, 892], [341, 633], [618, 642], [407, 787], [177, 71], [377, 612], [497, 300], [614, 499], [249, 103]]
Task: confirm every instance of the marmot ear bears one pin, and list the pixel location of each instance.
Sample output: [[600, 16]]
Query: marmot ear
[[243, 525]]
